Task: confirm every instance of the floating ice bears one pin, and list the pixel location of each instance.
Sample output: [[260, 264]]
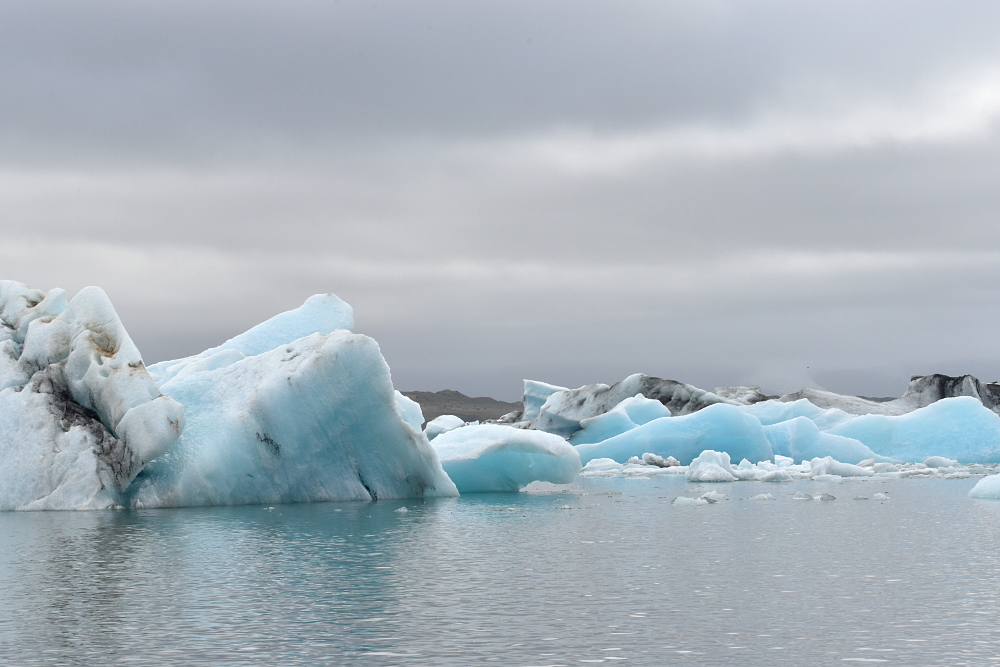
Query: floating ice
[[494, 457], [564, 409], [315, 419], [79, 414], [800, 439], [711, 466], [321, 313], [625, 416], [685, 501], [721, 427], [987, 487], [409, 410], [442, 424], [960, 428], [762, 496]]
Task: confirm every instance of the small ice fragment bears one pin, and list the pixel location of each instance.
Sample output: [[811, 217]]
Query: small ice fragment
[[783, 461], [778, 475], [713, 496], [825, 496], [940, 462], [684, 501], [402, 509], [655, 460], [762, 496], [861, 497], [802, 496], [880, 496]]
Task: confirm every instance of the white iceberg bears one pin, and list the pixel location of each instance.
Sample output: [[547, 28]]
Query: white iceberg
[[79, 414], [442, 424], [494, 457], [711, 466], [296, 409], [987, 487]]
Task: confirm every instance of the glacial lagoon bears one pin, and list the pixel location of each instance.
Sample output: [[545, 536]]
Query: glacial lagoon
[[606, 570]]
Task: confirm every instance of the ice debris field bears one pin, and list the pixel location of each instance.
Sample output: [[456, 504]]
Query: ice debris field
[[300, 409]]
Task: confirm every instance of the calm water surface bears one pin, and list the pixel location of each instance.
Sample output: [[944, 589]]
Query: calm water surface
[[606, 571]]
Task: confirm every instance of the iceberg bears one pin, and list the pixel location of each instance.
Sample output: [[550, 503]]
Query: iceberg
[[721, 426], [296, 409], [494, 457], [987, 488], [564, 409], [960, 428], [625, 416], [442, 424], [79, 414], [800, 440], [313, 420], [711, 466]]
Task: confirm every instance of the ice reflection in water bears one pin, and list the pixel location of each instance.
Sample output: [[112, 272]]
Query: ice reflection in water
[[606, 572]]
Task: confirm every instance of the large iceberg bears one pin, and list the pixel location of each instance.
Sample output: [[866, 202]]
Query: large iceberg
[[494, 457], [960, 428], [296, 409], [315, 419]]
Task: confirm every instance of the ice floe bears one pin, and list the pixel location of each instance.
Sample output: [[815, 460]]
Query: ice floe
[[494, 457]]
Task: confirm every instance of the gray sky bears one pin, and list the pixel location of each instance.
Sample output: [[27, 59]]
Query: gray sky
[[786, 193]]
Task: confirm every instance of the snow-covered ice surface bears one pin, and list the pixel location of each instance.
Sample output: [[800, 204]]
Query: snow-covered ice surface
[[493, 457], [604, 569]]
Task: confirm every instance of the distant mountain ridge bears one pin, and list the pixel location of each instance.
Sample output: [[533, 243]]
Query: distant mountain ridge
[[451, 402]]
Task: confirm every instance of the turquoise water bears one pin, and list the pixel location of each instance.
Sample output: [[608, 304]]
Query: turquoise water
[[607, 571]]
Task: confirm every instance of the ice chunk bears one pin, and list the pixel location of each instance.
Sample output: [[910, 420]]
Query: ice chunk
[[721, 427], [987, 487], [940, 462], [316, 419], [409, 410], [535, 395], [880, 496], [762, 496], [960, 428], [625, 416], [802, 496], [801, 440], [442, 424], [321, 313], [659, 461], [563, 411], [79, 414], [777, 476], [830, 466], [774, 412], [714, 496], [684, 501], [711, 466], [494, 457]]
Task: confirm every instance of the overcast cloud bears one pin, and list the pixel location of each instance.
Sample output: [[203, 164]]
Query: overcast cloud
[[783, 193]]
